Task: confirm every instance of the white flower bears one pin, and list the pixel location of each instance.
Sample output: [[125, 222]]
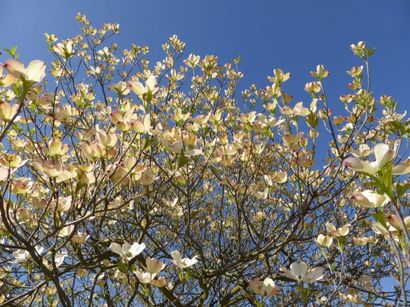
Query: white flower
[[59, 259], [120, 88], [382, 153], [64, 203], [269, 287], [255, 286], [35, 71], [324, 240], [22, 255], [140, 90], [363, 151], [66, 231], [64, 49], [161, 282], [145, 277], [339, 232], [127, 251], [300, 271], [80, 237], [8, 111], [266, 287], [154, 266], [369, 199], [183, 263]]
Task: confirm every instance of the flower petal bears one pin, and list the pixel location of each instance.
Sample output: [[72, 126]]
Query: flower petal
[[116, 248], [16, 69], [136, 249], [313, 275], [299, 269], [358, 165], [402, 169], [383, 155], [137, 88], [369, 199], [36, 71]]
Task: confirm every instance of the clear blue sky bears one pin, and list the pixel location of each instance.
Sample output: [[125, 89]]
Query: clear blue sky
[[294, 35]]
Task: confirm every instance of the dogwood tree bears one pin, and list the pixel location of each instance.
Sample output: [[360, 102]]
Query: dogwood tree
[[126, 182]]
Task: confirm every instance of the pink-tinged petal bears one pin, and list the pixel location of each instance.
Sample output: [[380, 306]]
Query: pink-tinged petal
[[80, 237], [330, 228], [116, 117], [7, 111], [8, 80], [369, 199], [255, 286], [16, 69], [358, 165], [394, 221]]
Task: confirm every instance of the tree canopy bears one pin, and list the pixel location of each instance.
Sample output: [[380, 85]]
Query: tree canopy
[[127, 183]]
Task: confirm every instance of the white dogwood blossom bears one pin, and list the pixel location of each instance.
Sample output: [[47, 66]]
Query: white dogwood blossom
[[300, 271], [127, 251]]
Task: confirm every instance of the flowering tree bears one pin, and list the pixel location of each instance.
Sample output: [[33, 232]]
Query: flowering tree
[[125, 183]]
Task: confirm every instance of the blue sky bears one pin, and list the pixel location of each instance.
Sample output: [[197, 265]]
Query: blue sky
[[294, 35]]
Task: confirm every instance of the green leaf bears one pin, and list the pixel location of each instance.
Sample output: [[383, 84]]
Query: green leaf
[[402, 188], [145, 290], [237, 60], [182, 161], [257, 303], [388, 179], [342, 243], [403, 243], [312, 120], [304, 292], [12, 52], [148, 142], [181, 276], [148, 97], [380, 217]]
